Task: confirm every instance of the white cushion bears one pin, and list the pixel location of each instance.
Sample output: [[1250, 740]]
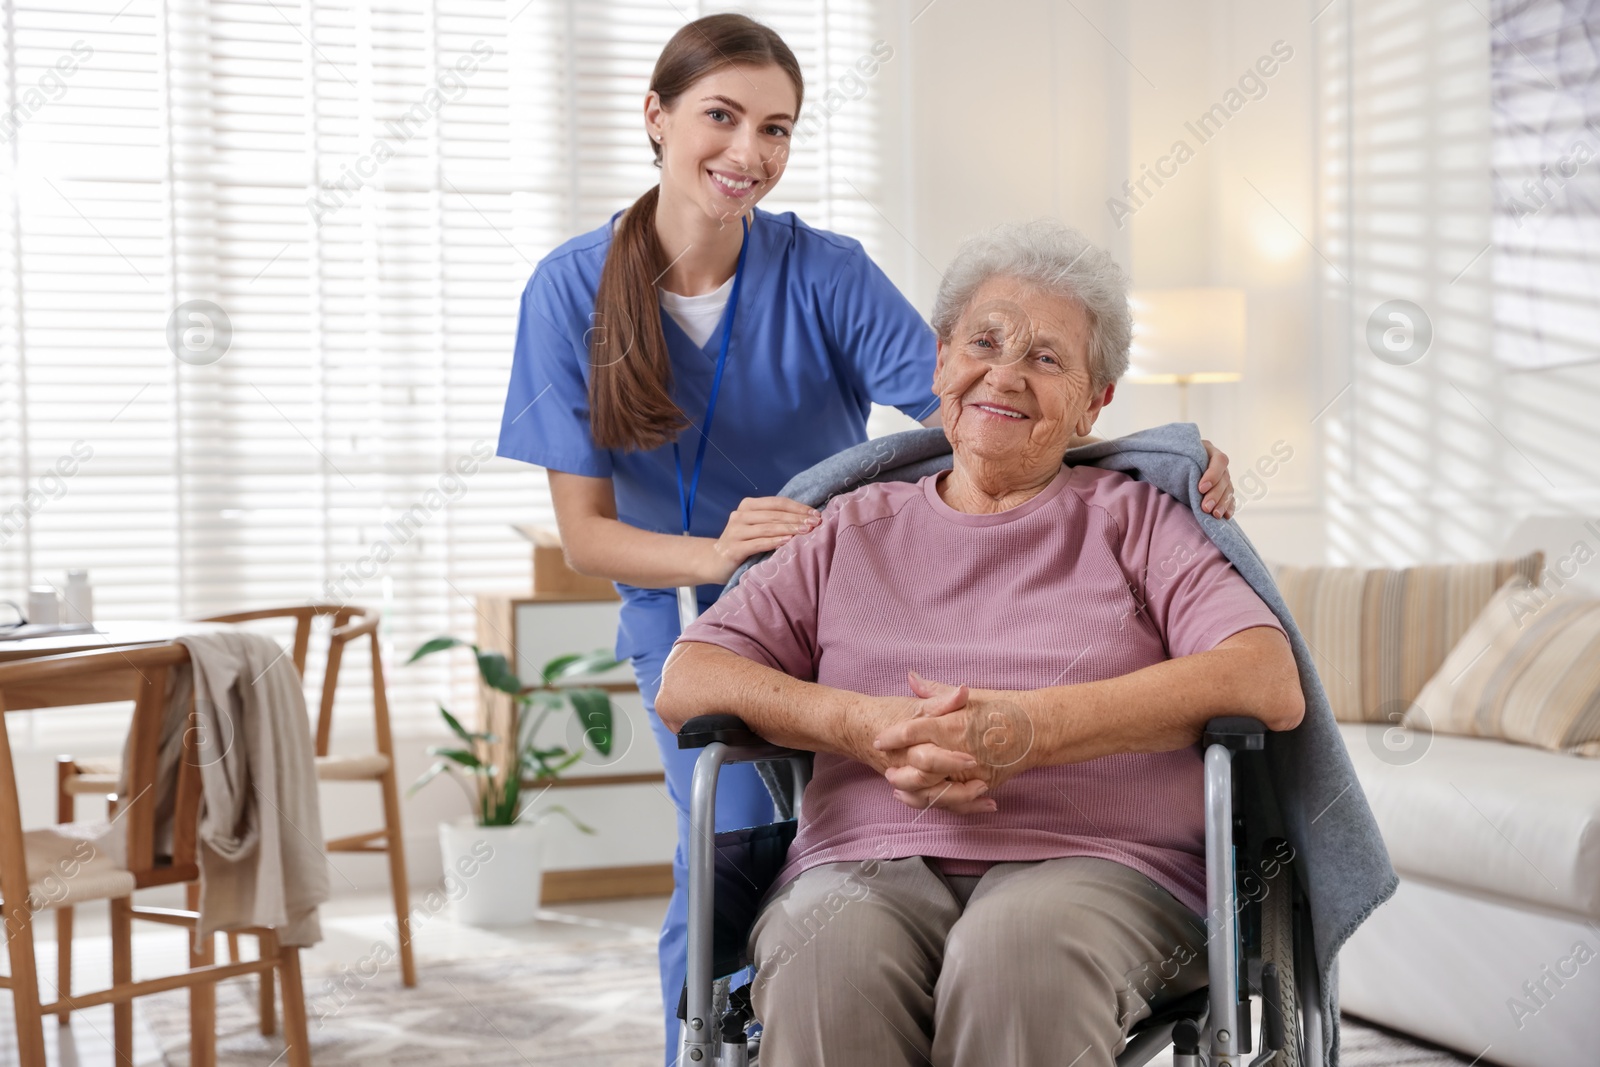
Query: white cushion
[[91, 784], [346, 768], [76, 861], [1503, 820], [94, 776]]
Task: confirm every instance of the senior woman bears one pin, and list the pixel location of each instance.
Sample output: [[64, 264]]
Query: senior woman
[[1004, 670]]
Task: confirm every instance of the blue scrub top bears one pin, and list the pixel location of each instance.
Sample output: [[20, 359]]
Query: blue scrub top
[[821, 333]]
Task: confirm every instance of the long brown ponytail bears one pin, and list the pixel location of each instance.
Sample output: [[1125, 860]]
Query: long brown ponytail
[[630, 381]]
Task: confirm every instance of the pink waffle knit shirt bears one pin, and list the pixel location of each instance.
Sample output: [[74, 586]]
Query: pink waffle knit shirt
[[1096, 576]]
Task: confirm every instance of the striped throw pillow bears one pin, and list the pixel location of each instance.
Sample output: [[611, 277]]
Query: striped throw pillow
[[1528, 670], [1377, 636]]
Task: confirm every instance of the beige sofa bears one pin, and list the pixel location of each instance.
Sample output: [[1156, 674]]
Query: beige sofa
[[1491, 945]]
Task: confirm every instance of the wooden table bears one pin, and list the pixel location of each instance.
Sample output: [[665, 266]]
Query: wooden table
[[97, 689]]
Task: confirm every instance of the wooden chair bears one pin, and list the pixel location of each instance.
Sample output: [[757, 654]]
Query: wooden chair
[[77, 777], [57, 867]]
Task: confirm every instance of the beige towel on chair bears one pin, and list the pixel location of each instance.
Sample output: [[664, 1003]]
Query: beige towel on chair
[[261, 856]]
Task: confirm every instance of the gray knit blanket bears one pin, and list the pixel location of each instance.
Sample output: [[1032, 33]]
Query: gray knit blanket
[[1341, 858]]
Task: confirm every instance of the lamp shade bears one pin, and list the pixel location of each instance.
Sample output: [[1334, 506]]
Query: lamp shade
[[1187, 335]]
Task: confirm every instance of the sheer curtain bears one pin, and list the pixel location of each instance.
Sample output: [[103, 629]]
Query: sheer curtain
[[259, 269]]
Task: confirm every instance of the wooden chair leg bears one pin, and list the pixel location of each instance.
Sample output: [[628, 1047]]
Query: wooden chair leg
[[25, 986], [233, 946], [121, 975], [268, 949], [64, 960], [294, 1007], [202, 997], [394, 843], [66, 810]]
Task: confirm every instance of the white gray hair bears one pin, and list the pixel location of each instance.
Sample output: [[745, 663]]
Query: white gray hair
[[1058, 259]]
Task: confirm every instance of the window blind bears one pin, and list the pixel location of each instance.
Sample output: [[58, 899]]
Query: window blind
[[350, 196], [1446, 429]]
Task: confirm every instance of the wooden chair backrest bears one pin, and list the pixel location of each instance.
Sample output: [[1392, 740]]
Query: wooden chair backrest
[[141, 673], [349, 623]]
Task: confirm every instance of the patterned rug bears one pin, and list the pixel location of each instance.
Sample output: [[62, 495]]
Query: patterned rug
[[593, 1003], [1364, 1046]]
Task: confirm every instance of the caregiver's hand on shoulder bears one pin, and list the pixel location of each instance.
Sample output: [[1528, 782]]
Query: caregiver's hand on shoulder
[[759, 524], [1217, 487]]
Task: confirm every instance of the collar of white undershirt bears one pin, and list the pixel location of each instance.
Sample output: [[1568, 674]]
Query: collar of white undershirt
[[717, 298]]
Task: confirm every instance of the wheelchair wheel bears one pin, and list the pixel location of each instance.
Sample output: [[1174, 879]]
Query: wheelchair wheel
[[1277, 950]]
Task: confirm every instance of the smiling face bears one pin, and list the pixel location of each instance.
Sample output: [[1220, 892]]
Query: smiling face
[[725, 141], [1014, 381]]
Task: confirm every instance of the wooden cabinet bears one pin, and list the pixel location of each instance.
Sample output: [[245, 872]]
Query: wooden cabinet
[[623, 796]]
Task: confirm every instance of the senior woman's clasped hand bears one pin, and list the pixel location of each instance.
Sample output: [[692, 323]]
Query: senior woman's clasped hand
[[959, 746]]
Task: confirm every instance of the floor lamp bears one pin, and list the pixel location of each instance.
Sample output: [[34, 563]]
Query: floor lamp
[[1186, 336]]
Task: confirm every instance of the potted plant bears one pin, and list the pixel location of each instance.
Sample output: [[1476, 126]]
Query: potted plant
[[495, 852]]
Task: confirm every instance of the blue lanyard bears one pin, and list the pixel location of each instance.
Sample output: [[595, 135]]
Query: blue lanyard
[[686, 499]]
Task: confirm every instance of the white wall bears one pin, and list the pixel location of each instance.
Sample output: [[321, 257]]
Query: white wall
[[1025, 108]]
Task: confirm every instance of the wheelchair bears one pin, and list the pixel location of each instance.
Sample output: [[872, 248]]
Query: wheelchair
[[1258, 926]]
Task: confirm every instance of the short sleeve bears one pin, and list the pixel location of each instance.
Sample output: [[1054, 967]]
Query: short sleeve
[[771, 615], [1188, 588], [546, 419], [880, 338]]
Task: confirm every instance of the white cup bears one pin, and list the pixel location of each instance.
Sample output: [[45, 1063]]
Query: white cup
[[43, 606]]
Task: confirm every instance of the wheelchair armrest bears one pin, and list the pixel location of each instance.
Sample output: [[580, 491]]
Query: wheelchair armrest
[[1239, 733], [747, 745]]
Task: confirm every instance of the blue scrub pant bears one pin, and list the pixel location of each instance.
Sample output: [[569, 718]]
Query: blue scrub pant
[[742, 800]]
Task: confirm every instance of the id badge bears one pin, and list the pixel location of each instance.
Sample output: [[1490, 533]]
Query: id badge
[[688, 607]]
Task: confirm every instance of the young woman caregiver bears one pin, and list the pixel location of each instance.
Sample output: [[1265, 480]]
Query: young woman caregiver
[[777, 339]]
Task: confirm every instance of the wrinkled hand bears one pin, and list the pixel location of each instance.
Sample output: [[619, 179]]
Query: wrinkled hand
[[958, 748], [760, 524], [1216, 485]]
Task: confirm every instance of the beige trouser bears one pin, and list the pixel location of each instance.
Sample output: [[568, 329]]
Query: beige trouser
[[891, 962]]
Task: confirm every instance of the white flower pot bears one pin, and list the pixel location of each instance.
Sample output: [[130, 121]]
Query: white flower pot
[[492, 873]]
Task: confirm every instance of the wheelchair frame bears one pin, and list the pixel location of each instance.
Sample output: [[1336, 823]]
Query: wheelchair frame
[[1209, 1027]]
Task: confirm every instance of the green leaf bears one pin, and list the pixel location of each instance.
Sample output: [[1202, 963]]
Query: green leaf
[[427, 776], [538, 765], [498, 807], [497, 673], [552, 670], [536, 762], [571, 758], [509, 800], [585, 666], [557, 809], [460, 731], [438, 644], [459, 755], [593, 708]]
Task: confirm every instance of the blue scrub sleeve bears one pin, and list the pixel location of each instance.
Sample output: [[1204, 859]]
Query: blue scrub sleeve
[[884, 343], [546, 420]]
